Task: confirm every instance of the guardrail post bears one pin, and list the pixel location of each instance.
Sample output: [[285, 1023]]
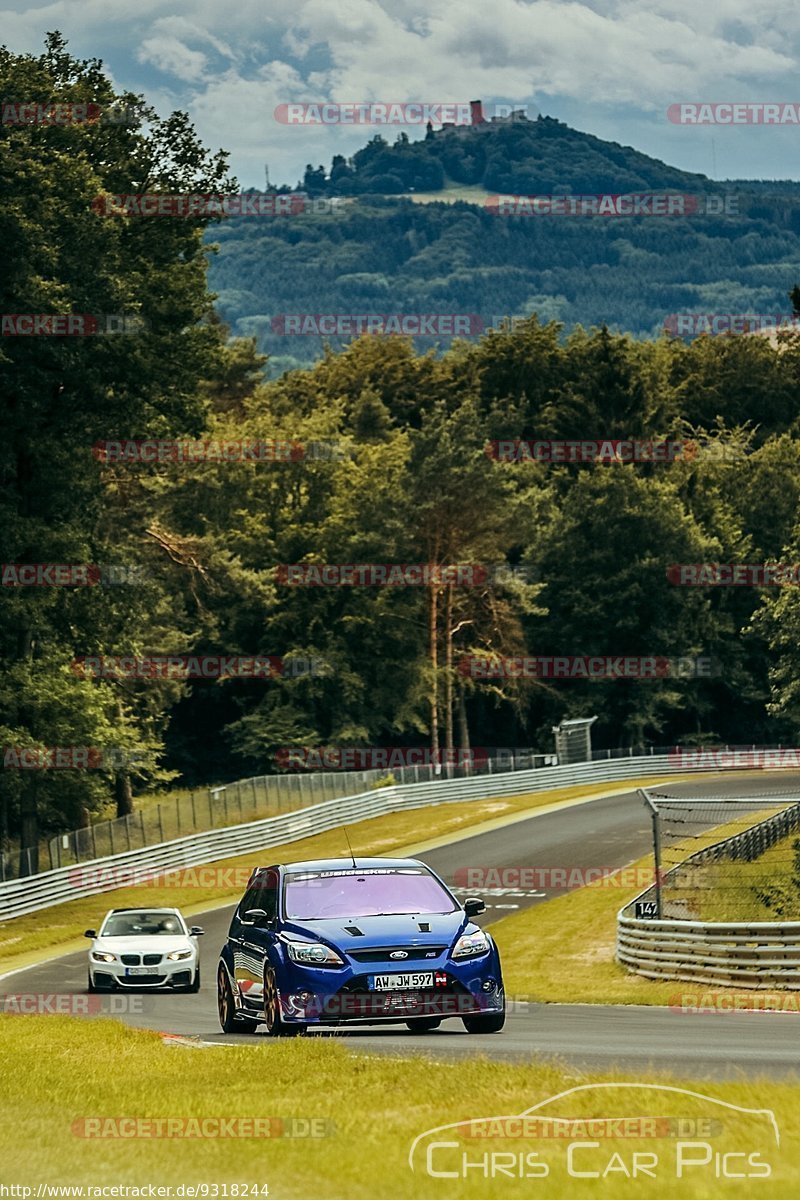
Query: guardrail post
[[160, 825], [194, 815], [656, 848], [178, 813]]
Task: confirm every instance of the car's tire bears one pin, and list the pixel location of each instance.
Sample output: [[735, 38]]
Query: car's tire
[[194, 986], [226, 1008], [423, 1024], [229, 1019], [276, 1026], [485, 1022]]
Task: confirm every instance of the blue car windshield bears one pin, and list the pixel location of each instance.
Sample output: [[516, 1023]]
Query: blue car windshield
[[373, 892]]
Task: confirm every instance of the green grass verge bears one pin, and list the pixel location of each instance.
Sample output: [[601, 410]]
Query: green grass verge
[[765, 889], [23, 939], [57, 1071], [562, 951], [471, 193]]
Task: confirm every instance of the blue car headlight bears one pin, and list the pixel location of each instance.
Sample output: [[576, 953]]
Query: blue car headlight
[[471, 944], [313, 954]]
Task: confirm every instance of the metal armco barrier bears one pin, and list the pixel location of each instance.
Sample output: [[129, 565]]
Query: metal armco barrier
[[36, 892], [759, 954], [748, 954]]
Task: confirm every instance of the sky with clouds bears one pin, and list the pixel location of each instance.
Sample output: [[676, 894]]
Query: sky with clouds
[[609, 67]]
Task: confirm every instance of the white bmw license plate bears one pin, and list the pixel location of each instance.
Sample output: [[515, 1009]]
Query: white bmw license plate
[[141, 971], [393, 983]]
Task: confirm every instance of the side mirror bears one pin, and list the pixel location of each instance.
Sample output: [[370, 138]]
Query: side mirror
[[254, 916], [473, 905], [92, 933], [196, 931]]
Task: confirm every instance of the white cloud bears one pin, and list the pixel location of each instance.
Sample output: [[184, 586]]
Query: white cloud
[[617, 61]]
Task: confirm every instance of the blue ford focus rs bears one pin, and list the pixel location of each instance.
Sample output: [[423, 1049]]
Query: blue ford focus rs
[[367, 941]]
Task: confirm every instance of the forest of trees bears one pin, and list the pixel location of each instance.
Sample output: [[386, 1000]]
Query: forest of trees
[[384, 254], [411, 483]]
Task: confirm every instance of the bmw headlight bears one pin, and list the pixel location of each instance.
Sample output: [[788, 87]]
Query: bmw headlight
[[313, 954], [470, 944], [176, 955], [101, 956]]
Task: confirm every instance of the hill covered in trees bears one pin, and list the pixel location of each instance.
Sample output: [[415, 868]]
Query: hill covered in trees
[[507, 154], [376, 250]]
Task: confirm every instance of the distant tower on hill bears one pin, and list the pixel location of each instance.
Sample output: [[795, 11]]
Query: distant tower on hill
[[476, 111], [266, 176]]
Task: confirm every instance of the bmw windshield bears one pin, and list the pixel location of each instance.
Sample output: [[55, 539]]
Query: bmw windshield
[[313, 895], [142, 924]]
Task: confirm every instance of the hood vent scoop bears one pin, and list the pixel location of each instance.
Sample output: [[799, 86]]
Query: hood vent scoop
[[354, 931]]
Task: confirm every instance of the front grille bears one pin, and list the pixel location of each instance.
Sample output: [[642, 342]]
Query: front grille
[[131, 960], [151, 960], [383, 954], [142, 981]]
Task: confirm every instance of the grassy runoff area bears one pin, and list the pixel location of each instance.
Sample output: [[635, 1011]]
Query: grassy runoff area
[[24, 940], [59, 1071], [562, 951]]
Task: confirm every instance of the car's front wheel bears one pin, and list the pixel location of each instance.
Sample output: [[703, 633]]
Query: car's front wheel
[[94, 988], [225, 1005], [229, 1020], [485, 1022], [423, 1024], [273, 1019]]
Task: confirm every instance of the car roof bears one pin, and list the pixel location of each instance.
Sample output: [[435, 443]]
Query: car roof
[[145, 908], [341, 864]]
